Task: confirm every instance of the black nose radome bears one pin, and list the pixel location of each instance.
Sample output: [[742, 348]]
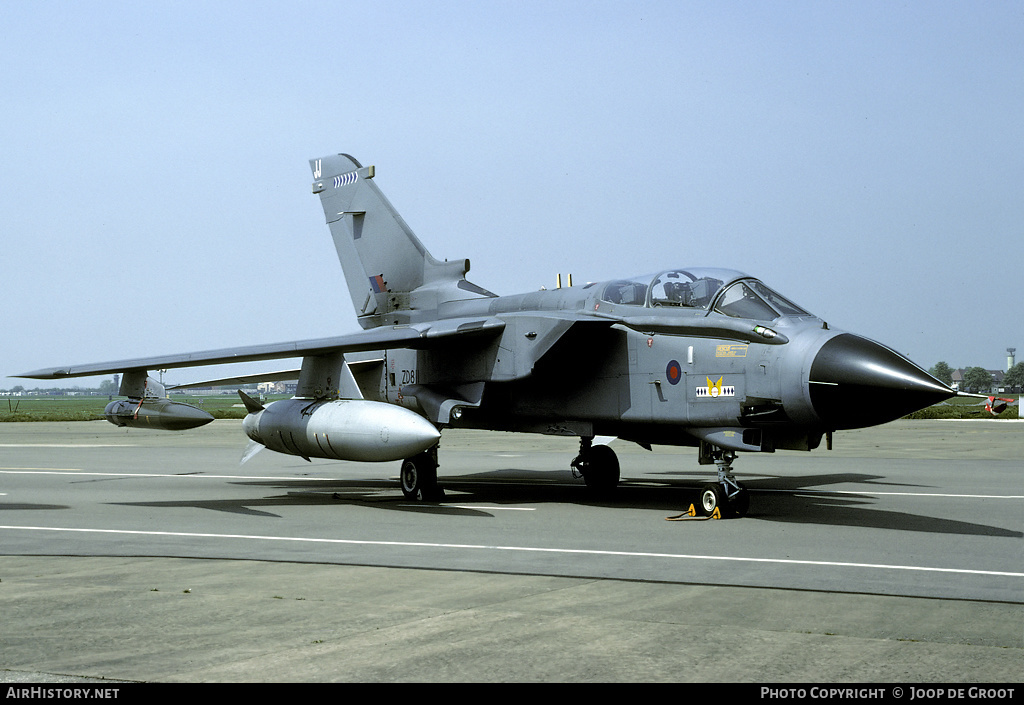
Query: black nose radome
[[855, 382]]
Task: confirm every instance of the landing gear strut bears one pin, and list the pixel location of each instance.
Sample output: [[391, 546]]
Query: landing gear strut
[[598, 465], [419, 477], [726, 495]]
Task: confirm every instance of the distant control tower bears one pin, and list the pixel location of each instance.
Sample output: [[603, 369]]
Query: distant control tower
[[1009, 358]]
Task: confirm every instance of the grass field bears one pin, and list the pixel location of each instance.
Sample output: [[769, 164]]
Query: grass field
[[81, 408], [228, 406], [965, 409]]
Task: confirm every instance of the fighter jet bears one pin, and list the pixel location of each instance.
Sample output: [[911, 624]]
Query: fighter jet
[[682, 356]]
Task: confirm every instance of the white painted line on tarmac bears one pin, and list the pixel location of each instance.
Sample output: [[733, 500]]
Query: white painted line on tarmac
[[521, 549], [861, 493], [68, 445], [82, 473], [40, 471]]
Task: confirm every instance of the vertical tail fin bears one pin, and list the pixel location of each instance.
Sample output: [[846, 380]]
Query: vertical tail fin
[[390, 275]]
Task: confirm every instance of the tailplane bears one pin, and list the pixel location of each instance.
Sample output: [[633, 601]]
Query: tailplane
[[390, 275]]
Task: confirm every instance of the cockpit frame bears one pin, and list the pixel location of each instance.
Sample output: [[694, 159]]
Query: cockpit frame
[[724, 291]]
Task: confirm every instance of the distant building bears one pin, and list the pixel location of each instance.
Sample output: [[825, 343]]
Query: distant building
[[997, 380]]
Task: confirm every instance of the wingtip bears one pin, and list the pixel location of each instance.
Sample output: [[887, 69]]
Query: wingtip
[[48, 373]]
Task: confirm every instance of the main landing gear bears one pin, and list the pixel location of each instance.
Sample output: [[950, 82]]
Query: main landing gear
[[598, 465], [726, 495], [419, 477], [599, 468]]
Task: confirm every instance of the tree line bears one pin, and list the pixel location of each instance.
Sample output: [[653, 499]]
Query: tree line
[[107, 387], [978, 379]]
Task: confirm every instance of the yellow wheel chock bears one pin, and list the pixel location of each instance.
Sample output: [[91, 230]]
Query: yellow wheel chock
[[691, 515]]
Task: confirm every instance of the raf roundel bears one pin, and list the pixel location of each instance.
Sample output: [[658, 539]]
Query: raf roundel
[[674, 372]]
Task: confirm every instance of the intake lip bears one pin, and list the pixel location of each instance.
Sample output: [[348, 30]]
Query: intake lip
[[855, 382]]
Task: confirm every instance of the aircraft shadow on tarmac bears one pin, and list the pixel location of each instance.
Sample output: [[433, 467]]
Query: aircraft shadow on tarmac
[[778, 499], [790, 505], [22, 506]]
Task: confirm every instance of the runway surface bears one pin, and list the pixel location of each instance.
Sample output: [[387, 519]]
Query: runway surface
[[143, 555]]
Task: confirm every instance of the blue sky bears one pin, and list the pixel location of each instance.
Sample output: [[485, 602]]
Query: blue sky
[[866, 159]]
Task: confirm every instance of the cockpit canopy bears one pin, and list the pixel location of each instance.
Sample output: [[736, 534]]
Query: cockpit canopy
[[724, 291]]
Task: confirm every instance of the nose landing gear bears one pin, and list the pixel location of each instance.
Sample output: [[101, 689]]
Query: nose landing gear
[[726, 495]]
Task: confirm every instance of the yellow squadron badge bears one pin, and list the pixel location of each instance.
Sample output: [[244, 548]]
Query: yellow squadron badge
[[714, 388]]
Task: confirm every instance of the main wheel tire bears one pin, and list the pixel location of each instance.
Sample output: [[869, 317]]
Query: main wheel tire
[[602, 470], [418, 477]]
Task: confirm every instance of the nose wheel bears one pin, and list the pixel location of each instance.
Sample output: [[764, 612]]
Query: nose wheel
[[726, 495]]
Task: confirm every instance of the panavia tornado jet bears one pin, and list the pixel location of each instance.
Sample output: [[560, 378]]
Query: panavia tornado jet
[[683, 356]]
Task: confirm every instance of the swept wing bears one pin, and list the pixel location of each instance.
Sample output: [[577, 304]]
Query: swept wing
[[416, 336]]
